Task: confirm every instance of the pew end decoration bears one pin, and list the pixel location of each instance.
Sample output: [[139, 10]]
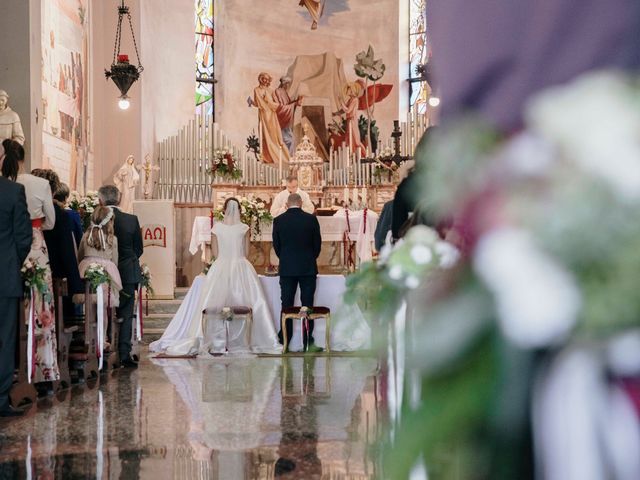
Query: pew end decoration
[[146, 279], [34, 278]]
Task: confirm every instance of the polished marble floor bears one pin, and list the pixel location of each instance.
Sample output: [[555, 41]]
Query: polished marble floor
[[225, 418]]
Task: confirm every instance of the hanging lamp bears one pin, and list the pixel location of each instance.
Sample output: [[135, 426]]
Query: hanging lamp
[[123, 73]]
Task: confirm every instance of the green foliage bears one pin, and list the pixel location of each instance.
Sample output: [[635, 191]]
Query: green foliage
[[368, 67]]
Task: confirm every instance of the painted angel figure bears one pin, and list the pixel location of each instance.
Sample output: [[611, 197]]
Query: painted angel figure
[[148, 168], [315, 8], [127, 179]]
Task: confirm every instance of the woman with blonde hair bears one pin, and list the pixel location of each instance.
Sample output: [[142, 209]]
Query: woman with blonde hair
[[100, 245]]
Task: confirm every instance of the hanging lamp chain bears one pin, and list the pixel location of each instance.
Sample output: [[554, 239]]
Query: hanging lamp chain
[[122, 10]]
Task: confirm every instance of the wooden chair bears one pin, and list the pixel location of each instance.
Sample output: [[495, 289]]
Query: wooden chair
[[313, 313], [82, 355], [241, 311], [22, 392]]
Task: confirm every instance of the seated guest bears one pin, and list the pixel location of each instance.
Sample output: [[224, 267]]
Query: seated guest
[[99, 245], [61, 245], [279, 205], [127, 231], [15, 242], [60, 196]]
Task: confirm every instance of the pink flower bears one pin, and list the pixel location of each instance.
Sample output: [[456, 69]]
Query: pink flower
[[46, 318]]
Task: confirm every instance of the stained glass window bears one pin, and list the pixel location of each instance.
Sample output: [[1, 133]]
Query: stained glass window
[[419, 55], [204, 56]]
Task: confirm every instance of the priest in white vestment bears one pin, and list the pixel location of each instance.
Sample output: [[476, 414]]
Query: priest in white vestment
[[279, 204]]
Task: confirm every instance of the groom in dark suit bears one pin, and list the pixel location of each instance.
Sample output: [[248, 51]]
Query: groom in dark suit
[[127, 230], [297, 242], [15, 244]]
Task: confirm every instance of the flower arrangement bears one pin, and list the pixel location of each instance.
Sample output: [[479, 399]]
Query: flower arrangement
[[146, 278], [253, 212], [84, 205], [96, 275], [226, 313], [550, 220], [34, 277], [224, 164], [400, 268]]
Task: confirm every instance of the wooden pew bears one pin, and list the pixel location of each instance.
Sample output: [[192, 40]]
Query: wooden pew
[[112, 359], [82, 354], [63, 333], [22, 392]]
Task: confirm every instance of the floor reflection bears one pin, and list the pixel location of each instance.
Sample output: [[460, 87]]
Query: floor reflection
[[229, 418]]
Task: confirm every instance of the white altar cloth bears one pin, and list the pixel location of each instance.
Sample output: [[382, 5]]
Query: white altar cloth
[[332, 229]]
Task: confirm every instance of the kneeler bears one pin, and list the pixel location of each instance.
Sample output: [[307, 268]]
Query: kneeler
[[230, 316], [305, 314], [22, 392], [63, 334]]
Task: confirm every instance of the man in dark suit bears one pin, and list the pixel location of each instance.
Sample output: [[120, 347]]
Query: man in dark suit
[[127, 231], [297, 242], [15, 243]]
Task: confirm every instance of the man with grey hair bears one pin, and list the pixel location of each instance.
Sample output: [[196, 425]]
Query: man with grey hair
[[286, 109], [279, 205], [127, 230], [297, 242]]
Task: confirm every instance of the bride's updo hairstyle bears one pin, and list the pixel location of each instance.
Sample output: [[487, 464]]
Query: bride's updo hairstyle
[[232, 211], [230, 199]]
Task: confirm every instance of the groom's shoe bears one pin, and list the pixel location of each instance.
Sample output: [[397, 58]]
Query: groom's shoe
[[313, 348]]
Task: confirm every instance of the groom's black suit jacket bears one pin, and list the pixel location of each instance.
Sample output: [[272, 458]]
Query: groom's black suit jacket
[[127, 231], [297, 242]]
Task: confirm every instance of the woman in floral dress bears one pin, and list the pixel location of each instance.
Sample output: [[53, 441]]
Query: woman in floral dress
[[40, 204]]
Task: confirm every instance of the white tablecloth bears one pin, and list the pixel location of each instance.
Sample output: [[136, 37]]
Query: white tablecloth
[[331, 228], [329, 290]]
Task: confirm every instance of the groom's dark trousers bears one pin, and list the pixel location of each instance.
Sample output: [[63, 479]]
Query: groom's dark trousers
[[297, 242]]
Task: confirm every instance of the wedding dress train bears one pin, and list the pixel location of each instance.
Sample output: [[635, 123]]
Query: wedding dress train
[[230, 281]]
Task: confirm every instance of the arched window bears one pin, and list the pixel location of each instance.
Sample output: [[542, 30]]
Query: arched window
[[204, 57], [419, 55]]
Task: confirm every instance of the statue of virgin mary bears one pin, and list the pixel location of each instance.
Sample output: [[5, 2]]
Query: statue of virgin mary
[[127, 179]]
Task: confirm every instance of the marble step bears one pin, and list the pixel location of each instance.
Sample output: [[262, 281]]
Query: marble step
[[163, 306]]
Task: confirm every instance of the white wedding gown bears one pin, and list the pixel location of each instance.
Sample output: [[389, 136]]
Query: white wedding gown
[[231, 281]]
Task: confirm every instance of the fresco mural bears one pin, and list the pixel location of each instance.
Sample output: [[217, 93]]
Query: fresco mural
[[65, 47], [337, 80]]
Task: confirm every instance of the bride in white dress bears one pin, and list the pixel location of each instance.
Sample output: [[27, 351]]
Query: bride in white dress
[[231, 280]]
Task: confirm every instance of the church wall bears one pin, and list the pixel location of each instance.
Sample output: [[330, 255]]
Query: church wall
[[66, 91], [168, 80], [20, 69], [252, 37], [117, 133]]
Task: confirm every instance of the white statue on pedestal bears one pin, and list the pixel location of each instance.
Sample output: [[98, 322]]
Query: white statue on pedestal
[[127, 179], [148, 168], [10, 126]]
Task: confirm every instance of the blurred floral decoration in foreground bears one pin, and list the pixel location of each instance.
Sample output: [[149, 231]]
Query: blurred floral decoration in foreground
[[534, 330]]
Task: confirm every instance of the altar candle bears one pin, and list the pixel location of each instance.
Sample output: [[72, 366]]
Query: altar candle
[[346, 196], [280, 162], [364, 196]]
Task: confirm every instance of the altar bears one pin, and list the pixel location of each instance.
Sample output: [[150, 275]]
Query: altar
[[357, 228]]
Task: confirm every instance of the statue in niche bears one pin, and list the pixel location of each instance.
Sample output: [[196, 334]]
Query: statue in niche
[[148, 168], [10, 126], [127, 179]]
